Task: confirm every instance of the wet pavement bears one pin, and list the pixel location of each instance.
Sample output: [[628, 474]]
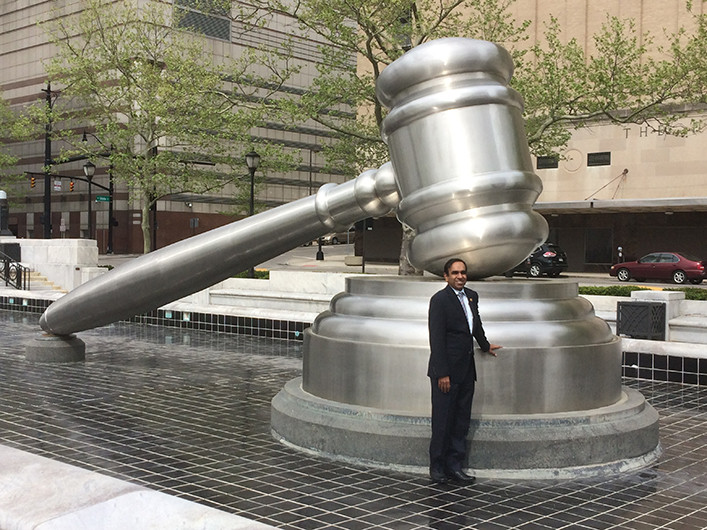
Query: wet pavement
[[187, 413]]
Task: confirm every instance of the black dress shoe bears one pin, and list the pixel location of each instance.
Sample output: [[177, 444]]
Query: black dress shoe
[[438, 477], [460, 478]]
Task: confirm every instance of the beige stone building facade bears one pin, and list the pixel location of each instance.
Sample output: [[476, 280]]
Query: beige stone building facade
[[647, 193], [23, 49], [622, 186], [580, 19]]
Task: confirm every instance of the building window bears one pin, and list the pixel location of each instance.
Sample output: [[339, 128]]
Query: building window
[[547, 162], [599, 159], [208, 17]]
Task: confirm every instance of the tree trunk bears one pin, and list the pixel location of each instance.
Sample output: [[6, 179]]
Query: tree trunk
[[405, 268], [145, 225]]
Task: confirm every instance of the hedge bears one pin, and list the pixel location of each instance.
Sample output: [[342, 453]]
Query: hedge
[[259, 274], [691, 293]]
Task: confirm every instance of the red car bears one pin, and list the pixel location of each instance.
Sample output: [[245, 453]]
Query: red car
[[676, 266]]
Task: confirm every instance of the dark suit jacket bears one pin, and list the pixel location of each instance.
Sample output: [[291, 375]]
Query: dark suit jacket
[[451, 343]]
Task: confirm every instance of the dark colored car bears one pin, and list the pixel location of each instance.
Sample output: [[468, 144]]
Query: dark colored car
[[548, 259], [676, 266]]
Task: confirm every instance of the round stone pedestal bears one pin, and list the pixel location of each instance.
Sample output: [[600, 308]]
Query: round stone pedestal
[[551, 405], [604, 441], [47, 348]]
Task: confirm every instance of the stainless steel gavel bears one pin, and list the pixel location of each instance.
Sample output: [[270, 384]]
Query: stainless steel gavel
[[460, 175]]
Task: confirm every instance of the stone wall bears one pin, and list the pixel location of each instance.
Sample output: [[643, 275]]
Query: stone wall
[[66, 262]]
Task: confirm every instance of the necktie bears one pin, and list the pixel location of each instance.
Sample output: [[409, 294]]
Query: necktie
[[464, 301]]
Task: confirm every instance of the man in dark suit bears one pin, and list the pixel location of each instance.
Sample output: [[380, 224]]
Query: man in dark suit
[[453, 323]]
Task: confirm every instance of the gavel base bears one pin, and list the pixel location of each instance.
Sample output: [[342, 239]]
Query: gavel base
[[550, 405]]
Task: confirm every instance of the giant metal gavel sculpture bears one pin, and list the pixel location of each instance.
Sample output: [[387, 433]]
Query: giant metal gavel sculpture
[[462, 179], [457, 141]]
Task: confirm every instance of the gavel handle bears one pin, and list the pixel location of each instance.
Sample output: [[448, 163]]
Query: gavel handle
[[193, 264]]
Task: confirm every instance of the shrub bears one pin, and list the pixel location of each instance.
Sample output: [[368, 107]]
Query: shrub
[[610, 290], [260, 274], [691, 293]]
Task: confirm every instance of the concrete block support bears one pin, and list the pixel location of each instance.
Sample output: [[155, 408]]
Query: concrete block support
[[46, 348], [599, 442], [551, 405]]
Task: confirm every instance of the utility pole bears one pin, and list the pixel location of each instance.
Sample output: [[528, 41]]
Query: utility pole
[[47, 216]]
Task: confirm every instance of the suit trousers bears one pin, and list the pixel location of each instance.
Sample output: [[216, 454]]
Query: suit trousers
[[451, 417]]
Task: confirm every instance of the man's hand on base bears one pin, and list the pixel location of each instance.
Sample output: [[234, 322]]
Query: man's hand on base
[[493, 348]]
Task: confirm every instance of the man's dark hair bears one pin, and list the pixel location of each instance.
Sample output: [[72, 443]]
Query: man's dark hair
[[452, 262]]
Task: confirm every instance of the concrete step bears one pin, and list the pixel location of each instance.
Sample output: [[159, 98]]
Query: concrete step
[[39, 282], [288, 301]]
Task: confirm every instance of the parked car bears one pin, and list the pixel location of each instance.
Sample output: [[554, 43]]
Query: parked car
[[339, 237], [676, 266], [548, 259]]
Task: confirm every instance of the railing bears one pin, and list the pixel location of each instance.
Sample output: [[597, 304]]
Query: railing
[[14, 274]]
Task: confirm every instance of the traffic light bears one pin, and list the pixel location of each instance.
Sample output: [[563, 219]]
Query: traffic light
[[71, 185], [32, 181]]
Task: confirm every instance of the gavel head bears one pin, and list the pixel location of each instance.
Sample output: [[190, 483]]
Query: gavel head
[[457, 142]]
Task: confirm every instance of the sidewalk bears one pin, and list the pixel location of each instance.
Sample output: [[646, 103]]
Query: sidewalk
[[37, 492], [333, 262]]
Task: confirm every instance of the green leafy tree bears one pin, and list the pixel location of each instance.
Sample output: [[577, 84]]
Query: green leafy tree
[[13, 127], [365, 38], [6, 122], [154, 98], [625, 80]]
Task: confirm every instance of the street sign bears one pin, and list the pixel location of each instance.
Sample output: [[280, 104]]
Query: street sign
[[102, 198], [57, 185]]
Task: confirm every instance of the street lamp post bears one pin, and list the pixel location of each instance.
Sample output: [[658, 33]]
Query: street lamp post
[[320, 252], [89, 169], [252, 160], [109, 246]]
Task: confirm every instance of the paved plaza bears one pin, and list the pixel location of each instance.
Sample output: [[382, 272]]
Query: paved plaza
[[187, 413]]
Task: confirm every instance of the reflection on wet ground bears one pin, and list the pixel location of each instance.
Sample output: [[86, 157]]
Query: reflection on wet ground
[[187, 413]]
